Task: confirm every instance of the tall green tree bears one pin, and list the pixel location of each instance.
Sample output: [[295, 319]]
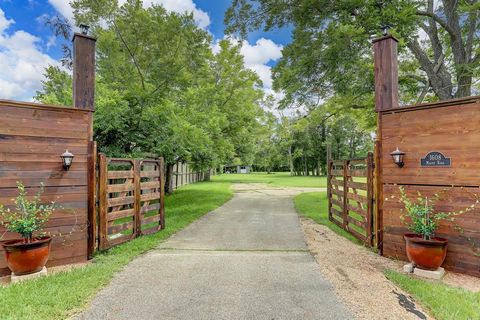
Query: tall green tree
[[161, 90], [330, 53]]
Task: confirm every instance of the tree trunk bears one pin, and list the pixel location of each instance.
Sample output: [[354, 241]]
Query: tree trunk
[[169, 179], [290, 160], [207, 175], [305, 165], [440, 80]]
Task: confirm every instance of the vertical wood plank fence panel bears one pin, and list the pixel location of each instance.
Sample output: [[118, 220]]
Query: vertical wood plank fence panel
[[350, 196], [184, 175]]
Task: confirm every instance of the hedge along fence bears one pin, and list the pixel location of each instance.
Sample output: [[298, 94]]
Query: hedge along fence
[[447, 127]]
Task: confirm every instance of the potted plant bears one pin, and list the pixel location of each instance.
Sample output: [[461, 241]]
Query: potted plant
[[423, 248], [29, 254]]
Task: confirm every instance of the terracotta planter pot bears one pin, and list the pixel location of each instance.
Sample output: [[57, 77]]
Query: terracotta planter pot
[[426, 254], [24, 258]]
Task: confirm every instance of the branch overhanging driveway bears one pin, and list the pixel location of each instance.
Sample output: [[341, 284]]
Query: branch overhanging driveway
[[245, 260]]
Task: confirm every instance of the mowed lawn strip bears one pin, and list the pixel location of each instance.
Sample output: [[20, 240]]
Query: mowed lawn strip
[[442, 301], [314, 205], [61, 295], [276, 179]]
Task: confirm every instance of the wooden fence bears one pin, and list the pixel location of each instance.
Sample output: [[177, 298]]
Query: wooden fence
[[130, 199], [32, 138], [183, 174], [350, 196], [446, 127]]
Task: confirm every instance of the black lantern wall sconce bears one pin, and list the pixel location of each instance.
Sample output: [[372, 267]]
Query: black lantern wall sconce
[[67, 159], [397, 157]]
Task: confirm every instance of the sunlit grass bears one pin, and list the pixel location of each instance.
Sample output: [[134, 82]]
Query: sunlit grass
[[277, 179], [62, 294], [314, 205], [442, 301]]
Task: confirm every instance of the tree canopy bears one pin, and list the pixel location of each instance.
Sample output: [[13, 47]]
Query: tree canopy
[[160, 88], [330, 53]]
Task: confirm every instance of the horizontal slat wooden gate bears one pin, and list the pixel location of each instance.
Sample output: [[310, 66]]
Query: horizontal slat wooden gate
[[350, 196], [130, 199]]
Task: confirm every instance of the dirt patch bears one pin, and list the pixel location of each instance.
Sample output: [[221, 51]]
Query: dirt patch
[[356, 273], [462, 281], [265, 189]]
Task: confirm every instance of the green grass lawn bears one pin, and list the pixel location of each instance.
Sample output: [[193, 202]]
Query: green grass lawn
[[314, 205], [442, 301], [62, 294], [277, 179]]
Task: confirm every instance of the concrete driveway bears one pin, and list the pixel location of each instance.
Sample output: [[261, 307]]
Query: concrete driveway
[[245, 260]]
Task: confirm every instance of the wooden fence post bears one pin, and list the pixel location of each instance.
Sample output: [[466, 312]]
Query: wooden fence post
[[83, 71], [92, 198], [378, 195], [329, 188], [162, 193], [369, 220], [137, 227], [102, 201], [386, 73], [176, 178], [345, 193]]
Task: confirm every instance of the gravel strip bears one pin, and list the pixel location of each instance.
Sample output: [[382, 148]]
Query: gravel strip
[[356, 274]]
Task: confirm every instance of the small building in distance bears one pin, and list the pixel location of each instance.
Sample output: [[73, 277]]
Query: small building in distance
[[237, 169]]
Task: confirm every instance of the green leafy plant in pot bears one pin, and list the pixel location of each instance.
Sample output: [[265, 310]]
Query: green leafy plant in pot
[[29, 254], [423, 248]]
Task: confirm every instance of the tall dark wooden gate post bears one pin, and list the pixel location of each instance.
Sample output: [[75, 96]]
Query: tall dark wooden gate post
[[83, 71], [83, 98], [345, 194], [386, 97]]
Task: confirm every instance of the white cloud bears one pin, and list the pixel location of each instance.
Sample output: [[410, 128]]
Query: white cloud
[[63, 7], [264, 72], [263, 51], [52, 42], [21, 61], [180, 6], [4, 22], [257, 56]]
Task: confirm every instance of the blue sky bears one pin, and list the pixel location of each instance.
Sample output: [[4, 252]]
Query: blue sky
[[27, 46]]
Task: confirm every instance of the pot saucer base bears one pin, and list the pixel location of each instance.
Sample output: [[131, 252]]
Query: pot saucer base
[[38, 274]]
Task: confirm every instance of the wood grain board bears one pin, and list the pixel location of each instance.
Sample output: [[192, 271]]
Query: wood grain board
[[32, 138], [449, 127], [350, 203], [131, 199]]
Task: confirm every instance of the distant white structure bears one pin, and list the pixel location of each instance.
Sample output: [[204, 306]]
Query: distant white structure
[[244, 169]]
